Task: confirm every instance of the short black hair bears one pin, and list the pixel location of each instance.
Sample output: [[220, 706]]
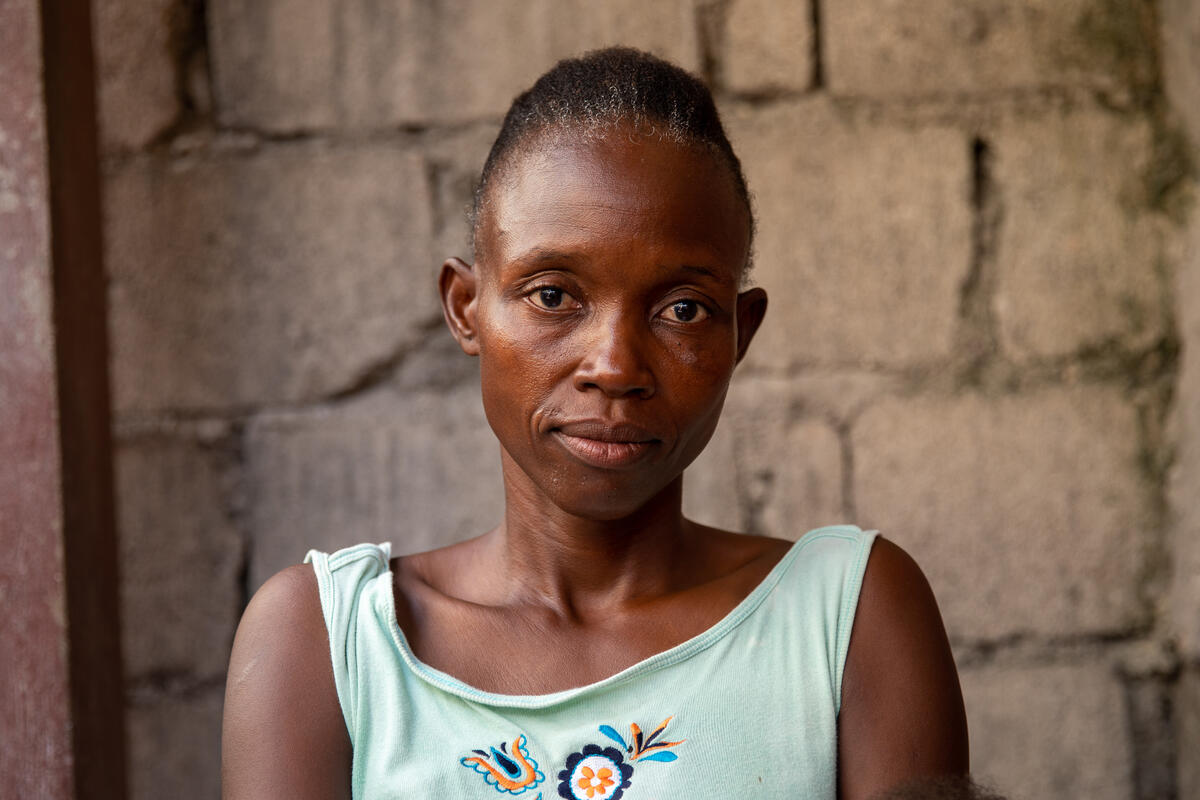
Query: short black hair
[[606, 87]]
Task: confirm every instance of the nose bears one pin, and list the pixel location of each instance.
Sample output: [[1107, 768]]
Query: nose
[[614, 361]]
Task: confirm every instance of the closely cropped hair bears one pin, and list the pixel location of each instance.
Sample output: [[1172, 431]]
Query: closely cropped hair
[[589, 95]]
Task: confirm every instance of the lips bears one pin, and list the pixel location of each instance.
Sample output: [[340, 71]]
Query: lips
[[605, 444]]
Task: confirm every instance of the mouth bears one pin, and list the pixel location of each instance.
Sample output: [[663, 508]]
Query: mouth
[[606, 445]]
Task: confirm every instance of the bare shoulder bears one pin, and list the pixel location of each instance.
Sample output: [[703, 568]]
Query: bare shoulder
[[283, 733], [893, 576], [286, 609], [902, 715]]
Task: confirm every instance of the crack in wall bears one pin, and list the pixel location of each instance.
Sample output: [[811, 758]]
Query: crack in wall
[[1137, 651], [383, 369], [154, 687], [755, 494], [187, 23], [711, 22], [239, 500], [849, 501], [1152, 386], [1150, 717], [817, 79], [435, 172], [977, 334]]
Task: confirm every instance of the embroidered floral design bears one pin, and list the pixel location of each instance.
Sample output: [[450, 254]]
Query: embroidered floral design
[[595, 773], [512, 772], [604, 773], [644, 748]]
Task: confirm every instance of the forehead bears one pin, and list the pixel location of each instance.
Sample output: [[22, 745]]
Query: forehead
[[627, 193]]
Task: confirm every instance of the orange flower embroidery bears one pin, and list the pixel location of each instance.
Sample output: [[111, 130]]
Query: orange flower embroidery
[[595, 783]]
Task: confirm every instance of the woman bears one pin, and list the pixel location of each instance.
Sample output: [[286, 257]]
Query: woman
[[596, 644]]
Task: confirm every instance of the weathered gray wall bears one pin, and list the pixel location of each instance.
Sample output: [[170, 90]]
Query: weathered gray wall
[[983, 266]]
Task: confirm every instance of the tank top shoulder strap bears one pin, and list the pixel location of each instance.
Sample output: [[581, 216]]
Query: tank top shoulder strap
[[343, 578], [826, 576]]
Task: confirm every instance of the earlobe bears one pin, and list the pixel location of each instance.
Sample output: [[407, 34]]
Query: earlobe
[[751, 308], [458, 285]]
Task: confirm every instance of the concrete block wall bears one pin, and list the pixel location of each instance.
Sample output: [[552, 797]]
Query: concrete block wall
[[975, 232]]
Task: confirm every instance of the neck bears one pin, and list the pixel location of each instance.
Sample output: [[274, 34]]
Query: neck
[[579, 566]]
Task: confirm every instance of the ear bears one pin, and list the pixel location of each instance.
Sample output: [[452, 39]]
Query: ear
[[459, 287], [751, 308]]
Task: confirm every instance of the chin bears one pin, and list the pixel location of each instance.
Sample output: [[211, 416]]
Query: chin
[[588, 493], [597, 513], [602, 511], [605, 503]]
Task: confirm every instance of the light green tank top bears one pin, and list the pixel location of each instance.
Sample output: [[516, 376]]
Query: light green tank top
[[747, 708]]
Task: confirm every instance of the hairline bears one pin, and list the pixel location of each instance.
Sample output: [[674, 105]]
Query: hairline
[[594, 129]]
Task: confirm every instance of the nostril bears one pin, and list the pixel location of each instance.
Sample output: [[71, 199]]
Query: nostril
[[615, 385], [618, 390], [616, 378]]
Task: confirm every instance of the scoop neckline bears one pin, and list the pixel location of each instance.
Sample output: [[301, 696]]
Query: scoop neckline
[[385, 604]]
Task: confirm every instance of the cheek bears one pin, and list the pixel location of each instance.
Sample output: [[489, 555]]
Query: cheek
[[510, 344], [698, 375], [703, 359], [519, 366]]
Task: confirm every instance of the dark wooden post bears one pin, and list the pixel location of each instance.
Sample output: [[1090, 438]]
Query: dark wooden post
[[60, 672]]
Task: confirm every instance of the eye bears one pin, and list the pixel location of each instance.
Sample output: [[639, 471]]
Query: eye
[[686, 311], [549, 297]]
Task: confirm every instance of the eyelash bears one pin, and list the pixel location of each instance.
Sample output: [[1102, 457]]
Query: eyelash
[[536, 297]]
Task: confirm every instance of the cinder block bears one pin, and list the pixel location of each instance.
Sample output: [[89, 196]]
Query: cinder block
[[1027, 512], [276, 65], [840, 396], [135, 70], [864, 235], [768, 46], [456, 161], [772, 468], [789, 461], [1049, 731], [1183, 497], [803, 460], [711, 493], [913, 47], [1152, 738], [420, 469], [1078, 260], [181, 554], [1180, 26], [295, 64], [265, 277], [175, 747]]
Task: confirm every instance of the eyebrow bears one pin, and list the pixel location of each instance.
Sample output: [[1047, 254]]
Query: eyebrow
[[538, 256], [702, 271], [542, 255]]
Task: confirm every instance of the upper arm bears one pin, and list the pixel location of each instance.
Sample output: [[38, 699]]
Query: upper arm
[[283, 734], [902, 715]]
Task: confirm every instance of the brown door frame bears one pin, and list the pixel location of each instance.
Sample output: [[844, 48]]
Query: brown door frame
[[61, 699]]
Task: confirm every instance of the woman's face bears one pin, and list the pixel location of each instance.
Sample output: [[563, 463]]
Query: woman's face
[[605, 311]]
